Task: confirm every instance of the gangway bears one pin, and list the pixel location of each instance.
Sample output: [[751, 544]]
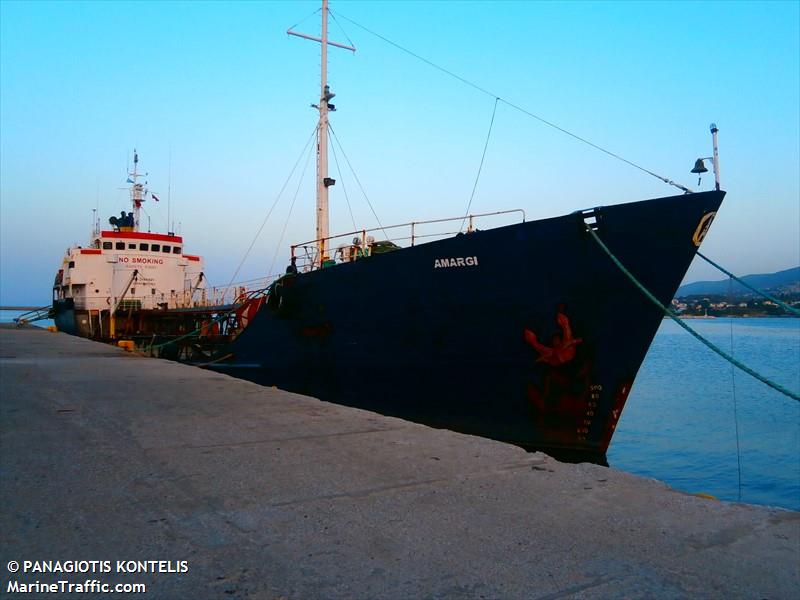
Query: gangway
[[34, 314]]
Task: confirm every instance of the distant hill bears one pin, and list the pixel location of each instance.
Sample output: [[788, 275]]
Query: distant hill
[[787, 281]]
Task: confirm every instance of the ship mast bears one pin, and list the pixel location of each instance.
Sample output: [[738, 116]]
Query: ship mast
[[137, 190], [324, 106], [322, 144]]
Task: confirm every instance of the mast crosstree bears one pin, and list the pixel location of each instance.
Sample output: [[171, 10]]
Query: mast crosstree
[[324, 106]]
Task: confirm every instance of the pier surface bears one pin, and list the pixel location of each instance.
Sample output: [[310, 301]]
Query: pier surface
[[113, 457]]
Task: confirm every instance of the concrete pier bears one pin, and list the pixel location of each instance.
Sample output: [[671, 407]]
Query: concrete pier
[[110, 456]]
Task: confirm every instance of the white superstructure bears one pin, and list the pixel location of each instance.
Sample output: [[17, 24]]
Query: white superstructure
[[124, 269], [146, 270]]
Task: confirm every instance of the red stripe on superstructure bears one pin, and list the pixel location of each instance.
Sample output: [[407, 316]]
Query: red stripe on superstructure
[[138, 235], [191, 257], [90, 251]]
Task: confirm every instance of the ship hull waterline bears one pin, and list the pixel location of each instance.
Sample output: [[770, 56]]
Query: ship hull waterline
[[527, 333]]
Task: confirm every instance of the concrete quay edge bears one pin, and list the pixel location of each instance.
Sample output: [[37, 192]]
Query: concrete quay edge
[[106, 455]]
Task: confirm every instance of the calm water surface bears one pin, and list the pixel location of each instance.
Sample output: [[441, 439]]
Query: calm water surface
[[679, 422]]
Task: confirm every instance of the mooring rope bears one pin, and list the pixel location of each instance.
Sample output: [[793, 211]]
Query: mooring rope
[[774, 385], [761, 293], [733, 394]]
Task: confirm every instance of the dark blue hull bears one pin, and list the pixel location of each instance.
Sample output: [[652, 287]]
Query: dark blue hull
[[533, 337]]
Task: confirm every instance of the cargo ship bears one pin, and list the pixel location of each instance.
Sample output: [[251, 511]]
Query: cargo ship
[[526, 333], [139, 287]]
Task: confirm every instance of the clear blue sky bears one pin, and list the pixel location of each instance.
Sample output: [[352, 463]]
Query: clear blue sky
[[221, 87]]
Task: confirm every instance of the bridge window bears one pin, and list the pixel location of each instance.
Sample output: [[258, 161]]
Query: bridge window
[[144, 247], [176, 250], [106, 245], [120, 245], [166, 249], [155, 247], [131, 246]]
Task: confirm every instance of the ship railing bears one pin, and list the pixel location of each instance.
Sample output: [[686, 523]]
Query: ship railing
[[159, 300], [201, 297], [305, 256], [233, 293]]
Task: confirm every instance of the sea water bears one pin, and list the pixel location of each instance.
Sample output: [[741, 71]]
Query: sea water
[[700, 425]]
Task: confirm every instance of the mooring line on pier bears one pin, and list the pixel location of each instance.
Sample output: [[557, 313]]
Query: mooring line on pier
[[774, 385]]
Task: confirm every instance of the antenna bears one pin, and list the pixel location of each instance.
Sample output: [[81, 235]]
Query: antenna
[[95, 217], [323, 181], [169, 191]]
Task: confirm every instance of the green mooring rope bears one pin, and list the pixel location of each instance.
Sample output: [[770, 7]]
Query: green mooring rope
[[783, 305], [679, 321]]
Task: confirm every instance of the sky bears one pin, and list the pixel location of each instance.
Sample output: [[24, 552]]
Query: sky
[[216, 99]]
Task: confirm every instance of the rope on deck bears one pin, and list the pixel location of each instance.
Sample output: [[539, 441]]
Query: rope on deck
[[774, 385]]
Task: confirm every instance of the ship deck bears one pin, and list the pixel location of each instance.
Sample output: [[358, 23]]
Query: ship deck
[[113, 456]]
